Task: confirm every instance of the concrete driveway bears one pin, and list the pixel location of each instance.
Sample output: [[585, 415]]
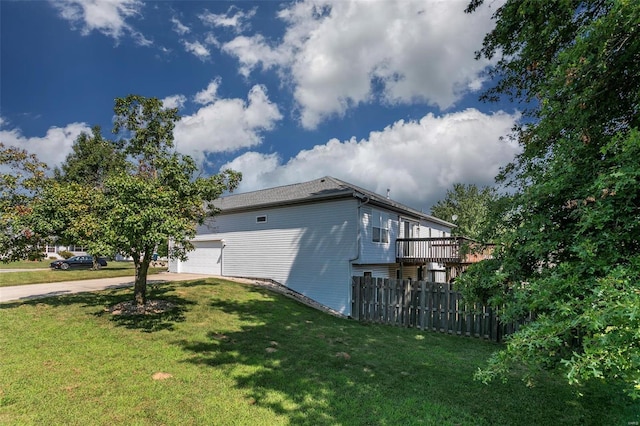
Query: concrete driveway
[[35, 291]]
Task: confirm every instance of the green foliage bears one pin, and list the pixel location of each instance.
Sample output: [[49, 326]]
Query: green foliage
[[92, 159], [468, 207], [159, 198], [65, 254], [571, 231], [132, 195], [21, 180], [35, 255]]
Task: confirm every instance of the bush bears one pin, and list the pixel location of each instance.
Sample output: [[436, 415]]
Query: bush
[[35, 256], [65, 254]]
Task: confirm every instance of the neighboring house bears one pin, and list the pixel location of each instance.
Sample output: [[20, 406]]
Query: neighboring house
[[51, 251], [313, 237]]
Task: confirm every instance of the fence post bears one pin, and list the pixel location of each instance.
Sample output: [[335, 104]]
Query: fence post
[[407, 302], [355, 303], [423, 304]]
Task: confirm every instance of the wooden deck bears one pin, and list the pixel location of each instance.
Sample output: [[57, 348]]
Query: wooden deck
[[448, 250]]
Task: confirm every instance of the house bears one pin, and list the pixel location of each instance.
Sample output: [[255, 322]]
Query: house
[[52, 250], [313, 237]]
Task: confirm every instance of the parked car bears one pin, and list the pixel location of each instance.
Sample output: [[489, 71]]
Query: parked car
[[77, 262]]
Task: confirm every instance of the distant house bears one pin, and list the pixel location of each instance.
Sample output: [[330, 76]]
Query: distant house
[[314, 236], [52, 250]]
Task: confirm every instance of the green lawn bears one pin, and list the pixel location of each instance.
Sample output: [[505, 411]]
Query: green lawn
[[239, 355], [27, 264], [113, 269]]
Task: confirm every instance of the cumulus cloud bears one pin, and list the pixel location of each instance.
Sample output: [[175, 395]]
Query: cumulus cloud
[[52, 148], [417, 160], [208, 95], [226, 125], [235, 18], [174, 101], [108, 17], [198, 49], [340, 54]]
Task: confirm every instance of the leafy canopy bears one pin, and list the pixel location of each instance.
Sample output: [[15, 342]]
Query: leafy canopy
[[21, 181], [570, 240], [133, 195], [159, 198], [468, 207], [92, 159]]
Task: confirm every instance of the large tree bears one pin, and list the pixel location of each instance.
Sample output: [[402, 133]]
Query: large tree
[[71, 208], [21, 181], [160, 197], [91, 160], [570, 246], [468, 207]]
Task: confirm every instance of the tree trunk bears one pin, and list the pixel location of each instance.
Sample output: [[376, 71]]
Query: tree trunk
[[140, 288]]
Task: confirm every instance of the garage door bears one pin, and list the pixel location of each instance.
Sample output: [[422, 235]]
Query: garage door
[[205, 259]]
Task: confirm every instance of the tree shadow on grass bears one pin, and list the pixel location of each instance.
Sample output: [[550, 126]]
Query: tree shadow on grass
[[321, 370], [105, 299]]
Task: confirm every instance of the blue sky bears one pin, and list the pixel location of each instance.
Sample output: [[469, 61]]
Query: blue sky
[[382, 94]]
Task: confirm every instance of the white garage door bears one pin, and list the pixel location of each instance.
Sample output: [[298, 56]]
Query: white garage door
[[205, 259]]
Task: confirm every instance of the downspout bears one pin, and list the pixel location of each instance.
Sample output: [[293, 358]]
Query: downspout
[[359, 230]]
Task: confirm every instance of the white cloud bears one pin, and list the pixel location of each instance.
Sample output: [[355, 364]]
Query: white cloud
[[198, 49], [254, 51], [208, 95], [339, 54], [174, 101], [226, 125], [179, 27], [108, 17], [417, 160], [234, 18], [212, 40], [52, 148]]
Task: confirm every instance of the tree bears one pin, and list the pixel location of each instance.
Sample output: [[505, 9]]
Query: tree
[[570, 247], [72, 213], [71, 208], [92, 159], [468, 207], [21, 181], [159, 198]]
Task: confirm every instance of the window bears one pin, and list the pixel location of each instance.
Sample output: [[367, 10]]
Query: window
[[261, 219], [380, 224]]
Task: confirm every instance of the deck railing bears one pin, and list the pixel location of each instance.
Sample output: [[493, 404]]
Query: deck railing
[[440, 250]]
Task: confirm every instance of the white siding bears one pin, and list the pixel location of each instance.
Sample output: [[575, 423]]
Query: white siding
[[375, 252], [433, 230], [377, 271], [306, 247]]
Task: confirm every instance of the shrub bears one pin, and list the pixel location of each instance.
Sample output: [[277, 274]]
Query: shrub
[[35, 256], [65, 254]]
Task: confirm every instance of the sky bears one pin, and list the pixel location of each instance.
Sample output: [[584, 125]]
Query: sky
[[382, 94]]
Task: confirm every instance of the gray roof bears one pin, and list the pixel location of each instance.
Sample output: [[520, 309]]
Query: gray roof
[[325, 188]]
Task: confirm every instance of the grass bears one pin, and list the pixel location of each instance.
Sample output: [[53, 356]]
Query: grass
[[113, 269], [27, 264], [241, 355]]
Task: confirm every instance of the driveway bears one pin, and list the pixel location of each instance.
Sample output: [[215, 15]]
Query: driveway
[[35, 291]]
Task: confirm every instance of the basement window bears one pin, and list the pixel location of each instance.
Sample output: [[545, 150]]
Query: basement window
[[261, 219]]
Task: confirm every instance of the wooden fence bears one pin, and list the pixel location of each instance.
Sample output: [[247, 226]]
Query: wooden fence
[[424, 305]]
